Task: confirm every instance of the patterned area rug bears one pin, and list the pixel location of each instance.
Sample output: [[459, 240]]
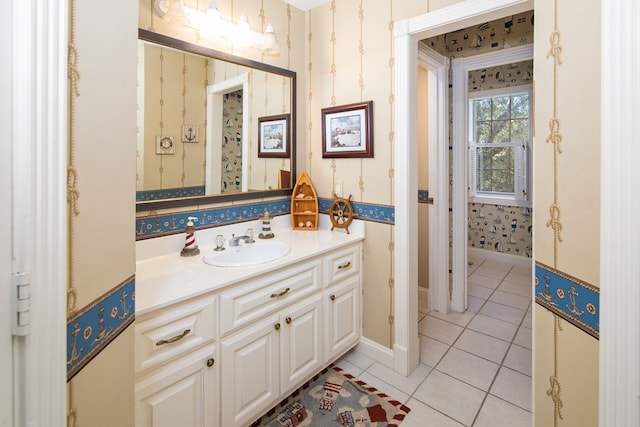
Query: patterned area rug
[[335, 398]]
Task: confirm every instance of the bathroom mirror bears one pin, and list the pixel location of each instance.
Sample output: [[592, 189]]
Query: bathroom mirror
[[202, 120]]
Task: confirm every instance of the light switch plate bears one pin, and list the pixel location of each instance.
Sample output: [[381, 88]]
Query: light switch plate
[[338, 189]]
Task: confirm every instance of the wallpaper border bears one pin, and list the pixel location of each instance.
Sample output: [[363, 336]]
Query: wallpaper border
[[174, 223], [169, 193], [572, 299], [82, 343]]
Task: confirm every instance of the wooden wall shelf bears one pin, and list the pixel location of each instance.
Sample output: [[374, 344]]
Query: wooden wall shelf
[[304, 205]]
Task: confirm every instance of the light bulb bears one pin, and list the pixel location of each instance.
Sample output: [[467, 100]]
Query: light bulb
[[243, 38], [270, 45], [213, 14]]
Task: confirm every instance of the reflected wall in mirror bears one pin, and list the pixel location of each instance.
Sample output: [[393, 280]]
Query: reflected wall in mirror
[[198, 125]]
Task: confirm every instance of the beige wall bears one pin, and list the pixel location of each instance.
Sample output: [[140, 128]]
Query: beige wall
[[172, 99], [358, 66], [103, 155], [577, 96]]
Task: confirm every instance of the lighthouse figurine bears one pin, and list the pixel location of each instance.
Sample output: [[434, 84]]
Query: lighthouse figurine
[[190, 247], [266, 226]]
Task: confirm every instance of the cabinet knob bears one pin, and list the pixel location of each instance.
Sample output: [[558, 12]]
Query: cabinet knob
[[288, 320], [277, 326], [211, 362], [332, 297]]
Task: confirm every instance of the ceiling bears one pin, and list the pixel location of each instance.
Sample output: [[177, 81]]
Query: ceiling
[[306, 4]]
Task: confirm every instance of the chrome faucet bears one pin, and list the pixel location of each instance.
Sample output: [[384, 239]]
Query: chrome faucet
[[235, 241]]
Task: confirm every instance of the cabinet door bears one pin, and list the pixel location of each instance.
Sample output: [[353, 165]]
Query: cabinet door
[[183, 393], [250, 379], [342, 317], [301, 342]]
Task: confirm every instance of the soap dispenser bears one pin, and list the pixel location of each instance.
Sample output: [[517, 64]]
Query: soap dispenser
[[190, 247]]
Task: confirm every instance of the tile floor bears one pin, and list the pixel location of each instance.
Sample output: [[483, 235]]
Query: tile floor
[[475, 367]]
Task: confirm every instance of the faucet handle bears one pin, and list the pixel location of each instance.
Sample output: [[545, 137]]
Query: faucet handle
[[219, 243]]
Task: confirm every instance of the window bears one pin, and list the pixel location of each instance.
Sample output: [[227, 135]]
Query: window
[[499, 142]]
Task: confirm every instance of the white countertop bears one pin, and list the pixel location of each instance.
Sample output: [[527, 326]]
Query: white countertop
[[164, 277]]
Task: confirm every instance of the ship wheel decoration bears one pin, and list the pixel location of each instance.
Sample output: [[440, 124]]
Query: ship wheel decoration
[[341, 213]]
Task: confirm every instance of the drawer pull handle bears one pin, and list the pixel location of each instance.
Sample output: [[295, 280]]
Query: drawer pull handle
[[288, 320], [281, 294], [174, 339], [277, 326], [332, 297], [344, 265], [211, 362]]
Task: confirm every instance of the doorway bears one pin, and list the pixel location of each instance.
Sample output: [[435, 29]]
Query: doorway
[[229, 175], [408, 33]]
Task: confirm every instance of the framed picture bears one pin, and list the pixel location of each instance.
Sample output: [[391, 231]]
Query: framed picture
[[347, 130], [189, 133], [273, 136], [165, 145]]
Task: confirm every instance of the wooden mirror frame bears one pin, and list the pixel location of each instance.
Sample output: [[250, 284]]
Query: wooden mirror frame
[[170, 42]]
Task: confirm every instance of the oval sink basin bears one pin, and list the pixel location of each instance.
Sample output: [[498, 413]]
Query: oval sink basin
[[248, 254]]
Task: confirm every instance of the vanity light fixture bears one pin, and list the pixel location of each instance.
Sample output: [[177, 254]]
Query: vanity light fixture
[[173, 11], [210, 22]]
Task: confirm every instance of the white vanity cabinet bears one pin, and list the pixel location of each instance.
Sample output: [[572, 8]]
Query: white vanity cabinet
[[343, 326], [264, 333], [271, 329], [177, 366], [269, 359]]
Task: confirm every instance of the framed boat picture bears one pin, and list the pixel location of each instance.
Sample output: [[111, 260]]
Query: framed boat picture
[[347, 130]]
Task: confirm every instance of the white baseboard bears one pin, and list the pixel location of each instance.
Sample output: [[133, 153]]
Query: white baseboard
[[501, 256], [377, 352]]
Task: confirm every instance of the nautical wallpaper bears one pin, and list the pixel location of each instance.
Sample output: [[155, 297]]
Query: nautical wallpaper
[[500, 76], [500, 228], [231, 180], [511, 31]]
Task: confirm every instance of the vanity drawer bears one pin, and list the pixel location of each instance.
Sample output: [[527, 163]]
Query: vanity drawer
[[341, 264], [170, 332], [257, 297]]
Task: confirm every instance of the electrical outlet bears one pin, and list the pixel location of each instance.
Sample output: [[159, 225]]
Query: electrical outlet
[[338, 189]]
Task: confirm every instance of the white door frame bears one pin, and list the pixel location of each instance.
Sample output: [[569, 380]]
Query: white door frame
[[406, 347], [38, 127], [6, 353], [438, 163], [619, 211]]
